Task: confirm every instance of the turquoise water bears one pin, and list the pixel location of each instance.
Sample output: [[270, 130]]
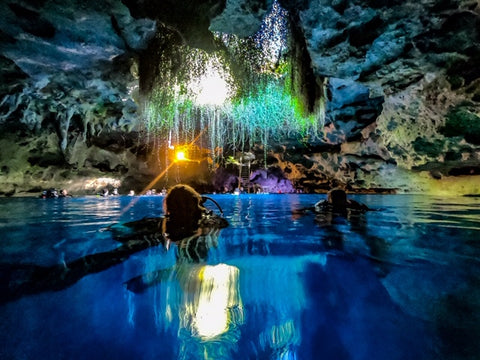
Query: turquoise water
[[402, 282]]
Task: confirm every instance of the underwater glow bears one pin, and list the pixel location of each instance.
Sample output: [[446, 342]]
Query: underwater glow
[[216, 296]]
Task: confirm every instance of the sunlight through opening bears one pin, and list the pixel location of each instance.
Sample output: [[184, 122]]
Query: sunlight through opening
[[211, 88]]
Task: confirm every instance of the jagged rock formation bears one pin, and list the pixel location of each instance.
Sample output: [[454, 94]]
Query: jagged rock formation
[[401, 77], [406, 78]]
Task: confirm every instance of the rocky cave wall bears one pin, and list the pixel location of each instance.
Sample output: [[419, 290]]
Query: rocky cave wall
[[401, 78]]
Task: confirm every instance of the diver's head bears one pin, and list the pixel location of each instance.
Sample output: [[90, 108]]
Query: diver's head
[[337, 198], [183, 202]]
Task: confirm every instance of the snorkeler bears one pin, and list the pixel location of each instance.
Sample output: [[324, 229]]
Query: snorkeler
[[53, 193], [64, 193]]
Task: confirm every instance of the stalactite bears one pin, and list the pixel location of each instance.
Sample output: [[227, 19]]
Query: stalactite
[[64, 117], [12, 103]]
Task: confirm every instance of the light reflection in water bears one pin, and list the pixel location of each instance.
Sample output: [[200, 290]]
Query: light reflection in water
[[282, 338], [402, 285], [212, 307], [207, 301], [203, 302]]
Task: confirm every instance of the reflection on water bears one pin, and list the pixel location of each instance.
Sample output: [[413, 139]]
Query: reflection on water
[[215, 294], [283, 338], [203, 300], [210, 311], [203, 304], [400, 283]]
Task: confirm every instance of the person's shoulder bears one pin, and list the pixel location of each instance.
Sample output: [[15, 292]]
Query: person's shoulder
[[213, 221], [133, 229], [322, 205], [355, 205]]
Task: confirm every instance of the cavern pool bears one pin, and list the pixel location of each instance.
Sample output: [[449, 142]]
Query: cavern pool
[[402, 282]]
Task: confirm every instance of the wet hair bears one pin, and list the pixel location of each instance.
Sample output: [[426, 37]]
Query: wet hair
[[182, 203], [337, 198]]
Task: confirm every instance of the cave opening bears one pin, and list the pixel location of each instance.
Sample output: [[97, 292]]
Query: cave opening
[[245, 95]]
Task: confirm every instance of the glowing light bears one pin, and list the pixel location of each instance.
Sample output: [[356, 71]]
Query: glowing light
[[180, 155], [212, 88], [102, 182], [202, 94], [215, 298], [216, 304]]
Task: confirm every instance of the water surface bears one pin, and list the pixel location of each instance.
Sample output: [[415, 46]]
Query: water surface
[[401, 282]]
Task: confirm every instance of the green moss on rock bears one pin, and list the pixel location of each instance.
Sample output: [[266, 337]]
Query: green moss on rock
[[424, 146], [462, 121]]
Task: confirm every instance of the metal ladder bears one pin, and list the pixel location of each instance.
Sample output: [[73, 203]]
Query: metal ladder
[[245, 175]]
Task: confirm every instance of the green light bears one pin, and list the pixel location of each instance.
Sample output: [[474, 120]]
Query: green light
[[241, 95]]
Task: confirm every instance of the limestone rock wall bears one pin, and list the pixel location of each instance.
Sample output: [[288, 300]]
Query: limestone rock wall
[[403, 91], [401, 77], [69, 78]]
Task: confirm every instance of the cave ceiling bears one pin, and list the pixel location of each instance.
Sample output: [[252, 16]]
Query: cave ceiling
[[388, 44], [402, 76]]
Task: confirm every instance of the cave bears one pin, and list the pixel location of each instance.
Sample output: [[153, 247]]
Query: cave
[[121, 84], [262, 107]]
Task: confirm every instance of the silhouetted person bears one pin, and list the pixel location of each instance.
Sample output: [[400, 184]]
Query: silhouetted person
[[51, 193], [337, 202], [183, 208], [185, 215], [187, 223], [64, 193]]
